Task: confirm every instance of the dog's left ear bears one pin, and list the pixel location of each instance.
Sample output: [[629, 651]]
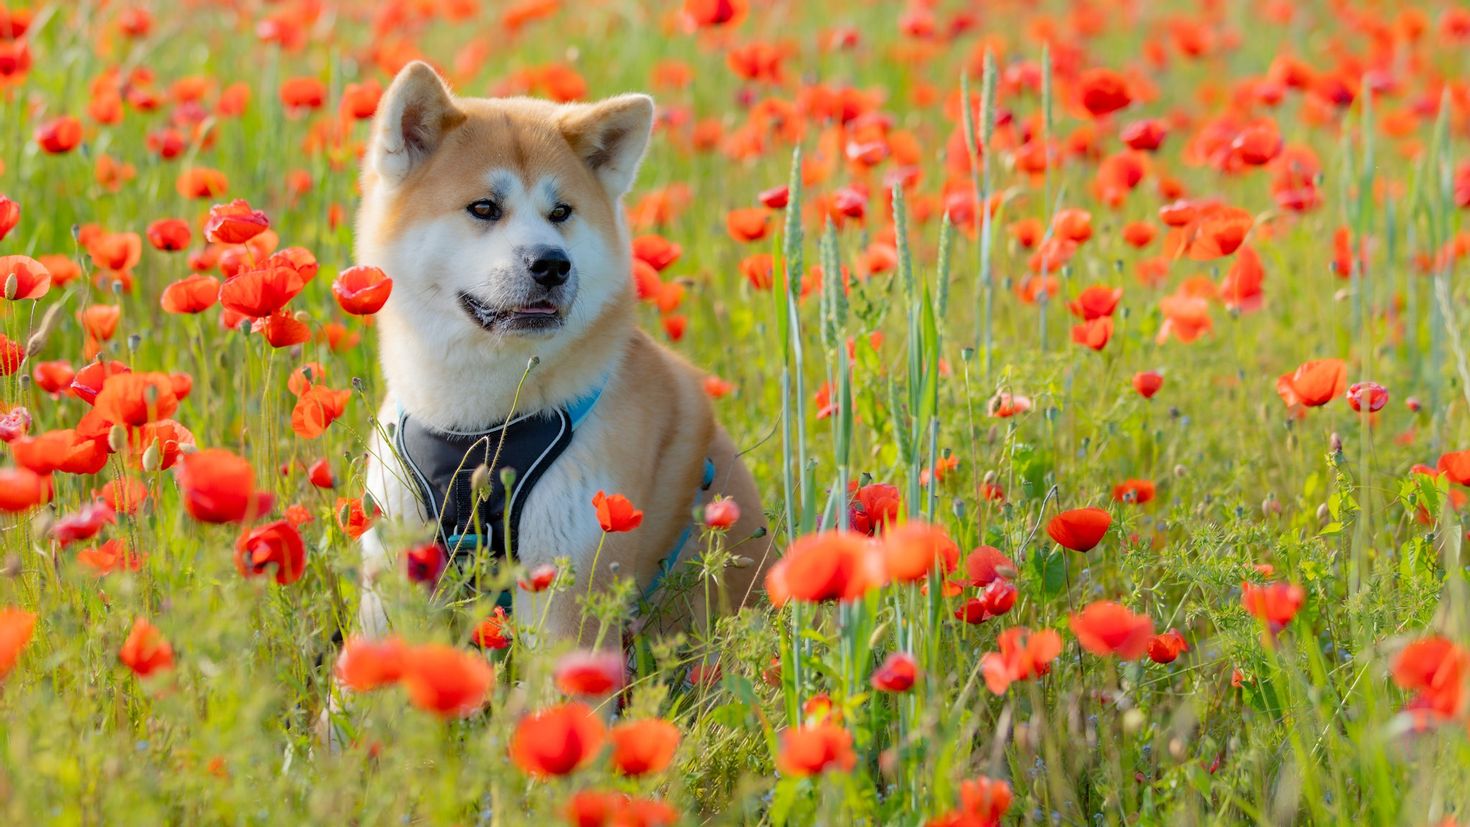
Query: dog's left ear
[[610, 136]]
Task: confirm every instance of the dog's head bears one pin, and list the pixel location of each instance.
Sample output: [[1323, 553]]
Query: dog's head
[[499, 218]]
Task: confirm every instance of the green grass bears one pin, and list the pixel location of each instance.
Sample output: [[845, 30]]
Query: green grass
[[1315, 732]]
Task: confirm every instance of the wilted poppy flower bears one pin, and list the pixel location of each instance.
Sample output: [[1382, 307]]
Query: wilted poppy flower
[[1136, 492], [446, 681], [23, 277], [644, 746], [1107, 628], [897, 674], [814, 749], [362, 290], [16, 627], [1167, 647], [1023, 654], [590, 673], [558, 740], [275, 545], [913, 549], [1274, 604], [1367, 396], [365, 665], [146, 652], [219, 487], [1080, 529], [1314, 383], [615, 513], [22, 489], [825, 566], [1005, 405], [235, 223]]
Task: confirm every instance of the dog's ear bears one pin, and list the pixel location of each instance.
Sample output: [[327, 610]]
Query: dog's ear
[[413, 117], [610, 136]]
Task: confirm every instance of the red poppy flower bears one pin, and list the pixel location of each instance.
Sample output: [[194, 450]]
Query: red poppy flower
[[615, 513], [425, 563], [9, 216], [274, 545], [590, 673], [1367, 396], [558, 740], [1146, 135], [643, 747], [1434, 668], [986, 564], [897, 674], [913, 549], [873, 506], [1136, 492], [1456, 466], [234, 223], [1094, 334], [1103, 91], [16, 627], [1167, 648], [83, 524], [262, 291], [146, 652], [362, 290], [1213, 231], [591, 808], [1107, 628], [814, 749], [1096, 302], [219, 487], [133, 399], [1139, 233], [352, 518], [1080, 529], [983, 801], [124, 495], [494, 632], [1314, 383], [191, 294], [826, 566], [656, 251], [22, 489], [1274, 604], [539, 579], [59, 135], [303, 93], [721, 513], [444, 680], [88, 382], [169, 234], [365, 665], [1147, 383], [23, 277]]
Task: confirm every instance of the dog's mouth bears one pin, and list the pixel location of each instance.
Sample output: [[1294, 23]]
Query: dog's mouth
[[536, 316]]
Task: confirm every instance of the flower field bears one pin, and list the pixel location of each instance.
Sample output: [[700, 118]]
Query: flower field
[[1104, 367]]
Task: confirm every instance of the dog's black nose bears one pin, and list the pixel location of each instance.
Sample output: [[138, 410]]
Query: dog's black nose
[[549, 266]]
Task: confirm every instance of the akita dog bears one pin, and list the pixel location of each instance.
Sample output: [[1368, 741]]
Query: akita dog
[[501, 224]]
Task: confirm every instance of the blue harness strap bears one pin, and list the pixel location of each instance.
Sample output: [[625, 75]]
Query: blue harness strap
[[667, 565]]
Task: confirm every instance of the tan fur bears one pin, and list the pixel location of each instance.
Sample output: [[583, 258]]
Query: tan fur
[[654, 426]]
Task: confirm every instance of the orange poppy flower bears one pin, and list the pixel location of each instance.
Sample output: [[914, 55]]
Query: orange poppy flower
[[1313, 383], [234, 223], [748, 224], [316, 409], [983, 802], [1456, 466], [643, 747], [262, 291], [145, 651], [1094, 334], [911, 550], [365, 665], [1107, 628], [16, 627], [109, 557], [447, 681], [12, 355], [191, 294], [615, 513], [1274, 604], [124, 495], [1167, 647], [1213, 231], [557, 741], [133, 399], [1080, 529], [1136, 492], [814, 749], [1435, 669], [169, 234], [1096, 302], [826, 566], [1023, 654]]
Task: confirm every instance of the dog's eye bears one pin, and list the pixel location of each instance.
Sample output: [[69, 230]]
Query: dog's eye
[[559, 213], [485, 210]]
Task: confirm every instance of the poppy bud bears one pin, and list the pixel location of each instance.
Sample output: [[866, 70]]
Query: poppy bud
[[741, 562], [480, 482], [1133, 721], [1180, 471], [151, 458], [507, 478], [1323, 513], [1335, 444], [117, 438], [12, 287], [1271, 506]]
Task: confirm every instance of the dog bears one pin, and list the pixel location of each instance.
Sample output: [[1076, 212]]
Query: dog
[[510, 340]]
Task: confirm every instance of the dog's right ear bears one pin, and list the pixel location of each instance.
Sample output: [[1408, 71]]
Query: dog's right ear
[[413, 117]]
